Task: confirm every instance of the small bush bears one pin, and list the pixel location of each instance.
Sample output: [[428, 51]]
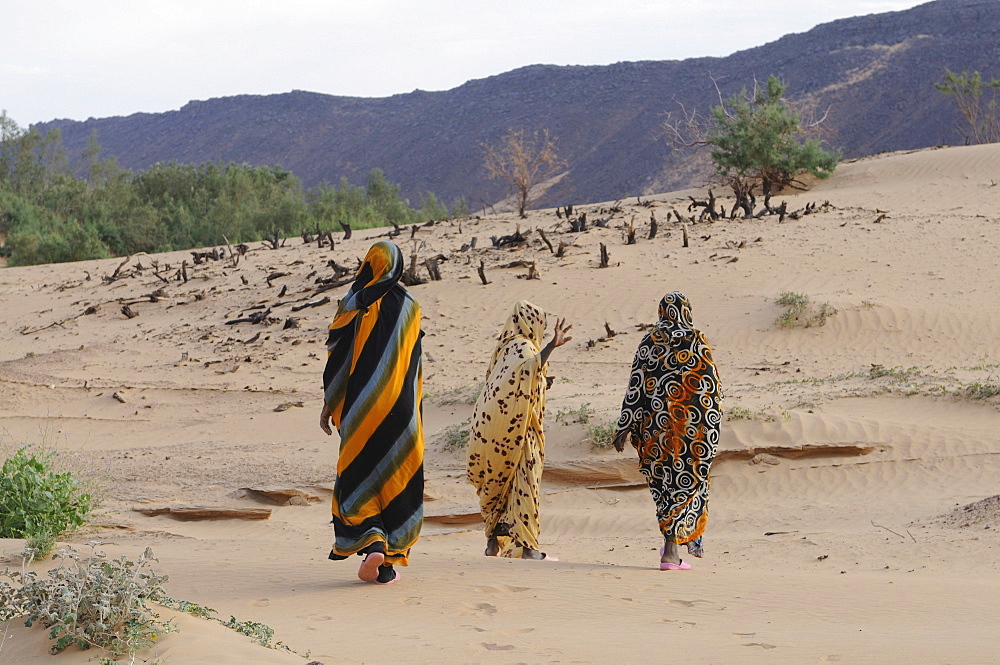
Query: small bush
[[797, 312], [982, 390], [37, 502], [898, 373], [602, 436], [91, 602], [740, 413], [579, 415], [467, 394], [455, 437]]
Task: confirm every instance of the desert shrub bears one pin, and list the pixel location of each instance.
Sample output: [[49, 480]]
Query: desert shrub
[[982, 390], [798, 314], [37, 501], [898, 373], [465, 394], [581, 415], [741, 413], [89, 602], [602, 435], [455, 437]]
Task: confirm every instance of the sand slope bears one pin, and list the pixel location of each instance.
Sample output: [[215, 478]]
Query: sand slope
[[838, 531]]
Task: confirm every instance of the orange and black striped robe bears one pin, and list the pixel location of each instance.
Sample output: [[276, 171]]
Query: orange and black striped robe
[[373, 388]]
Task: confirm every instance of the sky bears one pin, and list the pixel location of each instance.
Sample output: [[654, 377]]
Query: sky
[[77, 59]]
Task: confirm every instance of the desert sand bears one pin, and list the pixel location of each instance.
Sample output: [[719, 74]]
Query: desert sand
[[846, 523]]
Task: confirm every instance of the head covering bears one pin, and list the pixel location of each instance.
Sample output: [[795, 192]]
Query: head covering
[[526, 321], [675, 315], [381, 269]]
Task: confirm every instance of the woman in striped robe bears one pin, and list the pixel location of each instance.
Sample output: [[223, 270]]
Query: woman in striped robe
[[372, 392]]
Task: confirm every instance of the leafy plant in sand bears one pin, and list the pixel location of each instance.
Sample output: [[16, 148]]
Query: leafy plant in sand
[[602, 435], [37, 501], [580, 415], [455, 437], [798, 313], [260, 633], [89, 602], [982, 390]]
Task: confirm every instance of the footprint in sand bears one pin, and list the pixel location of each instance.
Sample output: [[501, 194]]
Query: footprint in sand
[[261, 602], [484, 608], [491, 646], [320, 617], [762, 645], [516, 631], [412, 600], [501, 589], [690, 603]]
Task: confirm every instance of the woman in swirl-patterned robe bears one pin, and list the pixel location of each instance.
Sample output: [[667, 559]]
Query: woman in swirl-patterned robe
[[372, 392], [671, 414], [507, 442]]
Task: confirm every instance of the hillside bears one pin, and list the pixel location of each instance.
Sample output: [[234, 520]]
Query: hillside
[[875, 74]]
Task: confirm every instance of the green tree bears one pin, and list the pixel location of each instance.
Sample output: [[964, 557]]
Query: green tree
[[755, 141], [979, 113], [522, 160]]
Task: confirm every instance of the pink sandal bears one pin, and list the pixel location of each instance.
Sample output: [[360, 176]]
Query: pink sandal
[[683, 565], [666, 565]]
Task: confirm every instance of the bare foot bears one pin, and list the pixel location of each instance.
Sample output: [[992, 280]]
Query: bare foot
[[670, 553], [492, 546], [535, 555], [368, 571]]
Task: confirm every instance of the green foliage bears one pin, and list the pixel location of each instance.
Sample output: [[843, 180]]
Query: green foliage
[[798, 313], [580, 414], [741, 413], [980, 113], [755, 141], [38, 502], [602, 435], [54, 213], [455, 437], [897, 373], [982, 390], [459, 208], [464, 394], [92, 602], [258, 632]]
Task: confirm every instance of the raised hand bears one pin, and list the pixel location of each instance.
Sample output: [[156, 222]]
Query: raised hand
[[559, 334]]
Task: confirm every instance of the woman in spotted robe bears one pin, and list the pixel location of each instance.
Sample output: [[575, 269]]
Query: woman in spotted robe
[[507, 442], [671, 415]]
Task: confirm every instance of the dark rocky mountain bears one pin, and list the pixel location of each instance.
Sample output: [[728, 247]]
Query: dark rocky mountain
[[875, 74]]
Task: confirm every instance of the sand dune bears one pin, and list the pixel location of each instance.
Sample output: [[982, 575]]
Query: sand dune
[[852, 518]]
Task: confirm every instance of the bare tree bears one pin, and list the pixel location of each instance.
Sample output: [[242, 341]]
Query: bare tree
[[522, 160]]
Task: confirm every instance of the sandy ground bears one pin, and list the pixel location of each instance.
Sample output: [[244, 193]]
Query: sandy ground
[[842, 525]]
